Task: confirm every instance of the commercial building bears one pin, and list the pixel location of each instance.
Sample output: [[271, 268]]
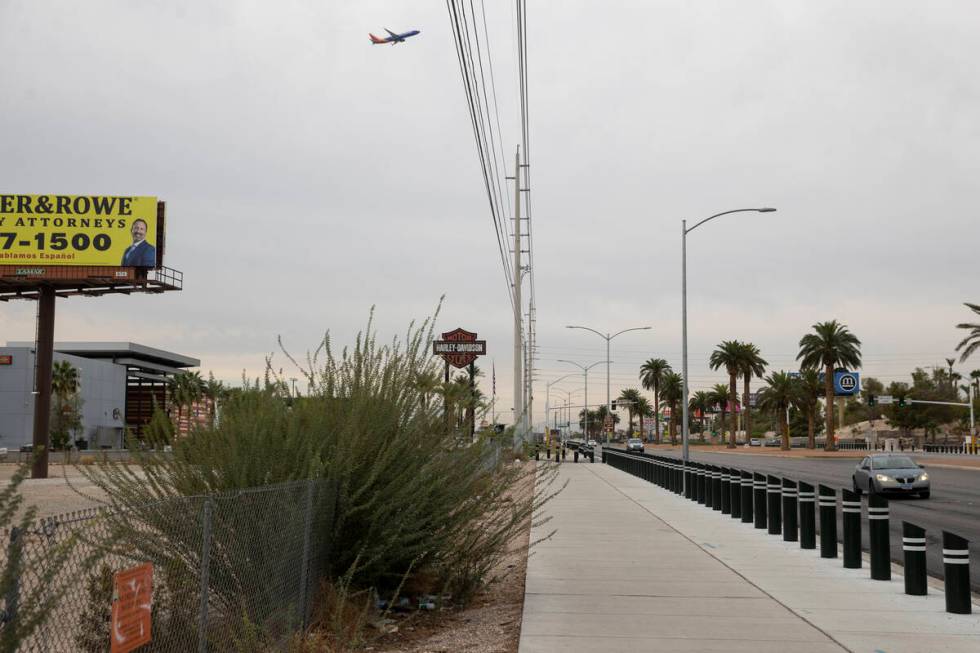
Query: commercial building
[[120, 383]]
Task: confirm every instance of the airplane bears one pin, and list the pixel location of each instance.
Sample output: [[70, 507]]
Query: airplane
[[394, 38]]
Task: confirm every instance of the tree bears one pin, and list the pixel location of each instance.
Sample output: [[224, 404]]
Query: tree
[[66, 415], [809, 390], [643, 409], [651, 378], [631, 396], [672, 392], [719, 397], [215, 391], [729, 354], [752, 364], [700, 402], [186, 389], [829, 346], [777, 397], [970, 343]]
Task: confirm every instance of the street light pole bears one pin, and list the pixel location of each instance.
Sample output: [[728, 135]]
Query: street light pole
[[547, 397], [684, 231], [608, 338], [585, 369]]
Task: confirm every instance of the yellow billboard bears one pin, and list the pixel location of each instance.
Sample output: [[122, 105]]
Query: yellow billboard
[[112, 230]]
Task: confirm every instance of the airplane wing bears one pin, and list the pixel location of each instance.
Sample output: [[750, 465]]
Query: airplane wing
[[392, 33]]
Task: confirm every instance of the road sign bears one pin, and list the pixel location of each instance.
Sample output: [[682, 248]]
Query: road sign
[[846, 383], [132, 602], [885, 399]]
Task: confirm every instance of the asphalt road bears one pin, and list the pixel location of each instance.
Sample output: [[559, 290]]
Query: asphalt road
[[954, 504]]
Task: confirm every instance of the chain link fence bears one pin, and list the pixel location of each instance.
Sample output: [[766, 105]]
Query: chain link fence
[[231, 572]]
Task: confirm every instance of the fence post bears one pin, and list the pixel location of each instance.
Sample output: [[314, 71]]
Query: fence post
[[304, 577], [914, 547], [881, 566], [202, 637], [851, 507], [956, 567], [13, 593], [828, 522]]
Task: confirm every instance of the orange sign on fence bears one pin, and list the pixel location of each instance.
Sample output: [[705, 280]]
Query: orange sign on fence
[[132, 601]]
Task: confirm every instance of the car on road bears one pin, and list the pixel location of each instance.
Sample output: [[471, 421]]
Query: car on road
[[773, 442], [755, 442], [634, 444], [889, 472], [591, 444]]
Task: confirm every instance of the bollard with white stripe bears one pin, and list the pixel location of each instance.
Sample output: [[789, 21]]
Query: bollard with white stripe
[[726, 491], [851, 507], [759, 499], [808, 516], [914, 550], [790, 529], [878, 535], [774, 490], [746, 496], [709, 486], [956, 568], [716, 500], [699, 471], [828, 522], [735, 490]]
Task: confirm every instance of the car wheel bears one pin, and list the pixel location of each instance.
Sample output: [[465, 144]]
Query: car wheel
[[924, 495], [857, 490]]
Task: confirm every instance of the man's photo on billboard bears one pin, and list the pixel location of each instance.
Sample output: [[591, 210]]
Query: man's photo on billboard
[[140, 254]]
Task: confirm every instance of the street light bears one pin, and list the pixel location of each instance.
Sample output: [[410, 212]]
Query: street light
[[547, 397], [585, 369], [684, 232], [607, 338]]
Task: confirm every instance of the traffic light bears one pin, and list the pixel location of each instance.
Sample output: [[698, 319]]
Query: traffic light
[[614, 404], [902, 402], [872, 400]]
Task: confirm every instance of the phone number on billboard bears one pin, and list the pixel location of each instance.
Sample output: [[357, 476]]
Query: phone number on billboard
[[58, 241]]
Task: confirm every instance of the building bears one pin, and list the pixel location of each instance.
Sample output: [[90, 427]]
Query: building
[[120, 383]]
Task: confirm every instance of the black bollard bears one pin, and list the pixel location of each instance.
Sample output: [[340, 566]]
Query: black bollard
[[547, 453], [690, 480], [537, 454], [726, 491], [699, 480], [956, 567], [716, 501], [759, 496], [735, 488], [774, 490], [709, 486], [746, 497], [914, 549], [790, 529], [808, 522], [575, 456], [851, 508], [563, 453], [880, 541], [828, 522]]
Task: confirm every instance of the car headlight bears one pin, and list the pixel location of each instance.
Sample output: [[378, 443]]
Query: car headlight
[[924, 477], [883, 477]]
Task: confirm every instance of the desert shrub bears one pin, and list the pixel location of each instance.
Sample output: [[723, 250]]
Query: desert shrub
[[400, 493]]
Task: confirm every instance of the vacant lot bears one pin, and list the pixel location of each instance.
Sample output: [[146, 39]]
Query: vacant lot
[[65, 490]]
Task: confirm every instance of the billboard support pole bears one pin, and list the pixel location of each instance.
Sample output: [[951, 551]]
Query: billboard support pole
[[44, 358]]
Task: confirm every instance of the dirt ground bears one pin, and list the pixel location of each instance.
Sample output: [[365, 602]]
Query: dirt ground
[[491, 624], [55, 495]]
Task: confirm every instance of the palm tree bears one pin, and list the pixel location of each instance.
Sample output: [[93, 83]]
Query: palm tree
[[215, 391], [752, 363], [64, 386], [651, 378], [777, 397], [64, 379], [631, 396], [427, 384], [700, 401], [970, 343], [643, 409], [810, 389], [671, 393], [729, 354], [719, 397], [829, 346], [186, 389]]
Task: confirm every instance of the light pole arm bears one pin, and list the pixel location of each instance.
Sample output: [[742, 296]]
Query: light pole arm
[[718, 215], [644, 328], [598, 333]]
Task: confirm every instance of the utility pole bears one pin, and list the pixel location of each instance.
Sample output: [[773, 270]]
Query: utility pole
[[518, 335]]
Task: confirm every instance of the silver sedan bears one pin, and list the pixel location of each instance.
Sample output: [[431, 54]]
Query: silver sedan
[[888, 472]]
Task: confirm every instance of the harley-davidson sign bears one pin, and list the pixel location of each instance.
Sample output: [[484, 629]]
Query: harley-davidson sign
[[459, 347]]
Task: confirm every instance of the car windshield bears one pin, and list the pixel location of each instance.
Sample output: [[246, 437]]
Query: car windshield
[[634, 441], [893, 462]]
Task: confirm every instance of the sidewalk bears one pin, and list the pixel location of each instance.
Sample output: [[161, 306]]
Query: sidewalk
[[636, 568]]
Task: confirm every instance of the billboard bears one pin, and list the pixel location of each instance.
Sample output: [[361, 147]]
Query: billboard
[[106, 230]]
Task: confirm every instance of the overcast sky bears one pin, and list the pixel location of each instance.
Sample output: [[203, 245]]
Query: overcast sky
[[309, 175]]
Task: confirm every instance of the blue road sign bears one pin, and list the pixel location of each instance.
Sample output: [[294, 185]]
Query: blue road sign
[[846, 383]]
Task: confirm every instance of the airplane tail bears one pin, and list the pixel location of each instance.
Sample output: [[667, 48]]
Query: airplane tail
[[376, 40]]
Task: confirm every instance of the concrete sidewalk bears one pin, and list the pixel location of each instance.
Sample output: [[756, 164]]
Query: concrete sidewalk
[[634, 567]]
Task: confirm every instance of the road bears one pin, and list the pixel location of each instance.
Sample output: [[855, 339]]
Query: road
[[954, 504]]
